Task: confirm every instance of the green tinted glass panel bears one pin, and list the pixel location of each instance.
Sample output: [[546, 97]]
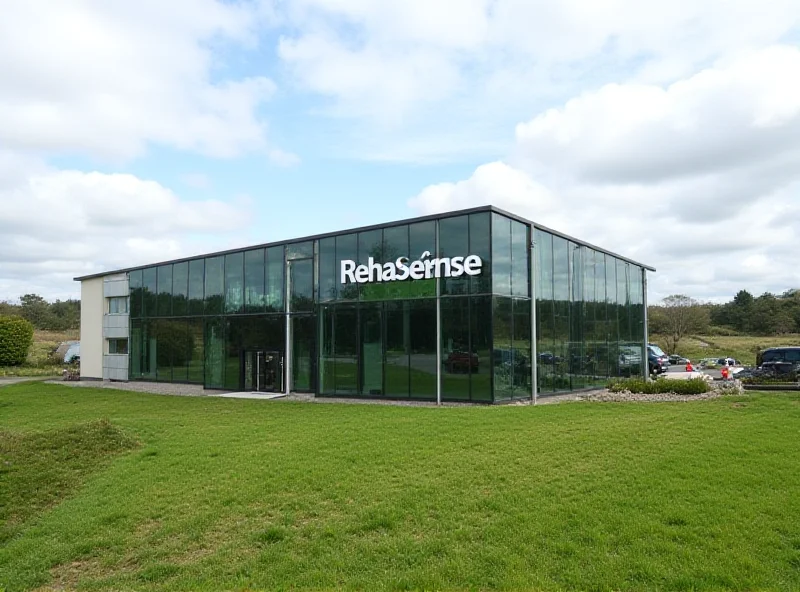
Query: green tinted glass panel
[[371, 349], [214, 285], [214, 352], [135, 350], [421, 238], [164, 304], [135, 290], [520, 263], [398, 347], [345, 338], [302, 285], [234, 283], [300, 250], [327, 357], [521, 348], [254, 281], [481, 346], [180, 289], [370, 245], [195, 361], [502, 348], [422, 341], [346, 248], [196, 279], [303, 353], [458, 358], [454, 242], [149, 294], [276, 286], [327, 269], [480, 245], [501, 255]]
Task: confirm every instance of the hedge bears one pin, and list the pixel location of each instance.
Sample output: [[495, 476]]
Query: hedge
[[693, 386], [16, 337]]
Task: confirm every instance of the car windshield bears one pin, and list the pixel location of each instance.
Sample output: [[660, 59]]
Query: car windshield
[[657, 350]]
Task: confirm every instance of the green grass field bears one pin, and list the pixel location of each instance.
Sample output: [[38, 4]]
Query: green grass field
[[145, 492]]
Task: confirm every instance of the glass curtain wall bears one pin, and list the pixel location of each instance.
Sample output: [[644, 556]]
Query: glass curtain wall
[[589, 315], [192, 321]]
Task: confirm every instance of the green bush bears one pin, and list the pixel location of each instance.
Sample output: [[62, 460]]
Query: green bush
[[788, 378], [16, 337], [693, 386]]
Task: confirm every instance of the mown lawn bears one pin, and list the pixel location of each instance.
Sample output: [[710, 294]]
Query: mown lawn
[[222, 494]]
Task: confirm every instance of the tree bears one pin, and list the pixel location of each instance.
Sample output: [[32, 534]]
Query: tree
[[35, 309], [16, 337], [682, 315]]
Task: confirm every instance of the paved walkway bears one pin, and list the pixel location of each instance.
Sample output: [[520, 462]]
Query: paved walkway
[[6, 380]]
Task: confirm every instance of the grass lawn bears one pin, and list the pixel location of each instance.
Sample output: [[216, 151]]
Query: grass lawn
[[178, 493]]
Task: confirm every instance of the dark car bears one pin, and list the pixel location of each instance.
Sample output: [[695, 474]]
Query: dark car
[[676, 359], [657, 360], [779, 360], [461, 361]]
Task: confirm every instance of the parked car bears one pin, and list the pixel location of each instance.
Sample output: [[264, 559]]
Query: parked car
[[779, 360], [657, 360], [73, 353], [728, 362], [461, 361], [676, 359]]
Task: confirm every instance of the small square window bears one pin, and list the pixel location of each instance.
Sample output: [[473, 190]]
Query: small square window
[[118, 305], [118, 346]]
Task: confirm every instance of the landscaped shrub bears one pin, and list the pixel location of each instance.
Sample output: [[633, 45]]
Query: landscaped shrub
[[694, 386], [16, 337], [789, 377]]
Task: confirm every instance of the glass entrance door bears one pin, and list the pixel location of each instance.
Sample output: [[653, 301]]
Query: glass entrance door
[[262, 371]]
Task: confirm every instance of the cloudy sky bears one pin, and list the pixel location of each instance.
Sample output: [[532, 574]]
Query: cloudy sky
[[133, 132]]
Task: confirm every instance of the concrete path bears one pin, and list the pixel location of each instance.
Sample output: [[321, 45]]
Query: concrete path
[[6, 380]]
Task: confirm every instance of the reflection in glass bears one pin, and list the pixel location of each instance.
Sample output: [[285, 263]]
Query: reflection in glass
[[422, 361], [149, 294], [371, 349], [501, 255], [214, 285], [346, 350], [398, 346], [480, 245], [196, 279], [180, 288], [502, 349], [135, 350], [254, 277], [327, 269], [135, 291], [302, 353], [275, 279], [521, 346], [302, 284], [234, 283], [302, 250], [454, 242], [346, 248], [214, 352], [459, 360], [520, 264]]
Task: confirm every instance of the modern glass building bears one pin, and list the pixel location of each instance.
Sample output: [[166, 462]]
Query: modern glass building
[[476, 305]]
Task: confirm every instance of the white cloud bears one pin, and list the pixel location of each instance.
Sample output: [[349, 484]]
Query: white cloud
[[699, 179], [109, 78], [736, 114], [60, 224], [426, 67]]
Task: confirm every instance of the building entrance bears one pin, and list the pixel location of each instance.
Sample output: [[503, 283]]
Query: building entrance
[[262, 371]]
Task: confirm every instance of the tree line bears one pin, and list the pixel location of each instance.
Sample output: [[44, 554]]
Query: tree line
[[61, 315], [678, 316]]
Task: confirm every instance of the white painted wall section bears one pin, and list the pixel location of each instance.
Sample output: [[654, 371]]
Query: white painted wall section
[[92, 309]]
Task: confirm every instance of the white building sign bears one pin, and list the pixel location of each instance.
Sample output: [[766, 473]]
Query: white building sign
[[421, 269]]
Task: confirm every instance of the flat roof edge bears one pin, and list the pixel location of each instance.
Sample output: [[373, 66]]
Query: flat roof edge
[[462, 212]]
